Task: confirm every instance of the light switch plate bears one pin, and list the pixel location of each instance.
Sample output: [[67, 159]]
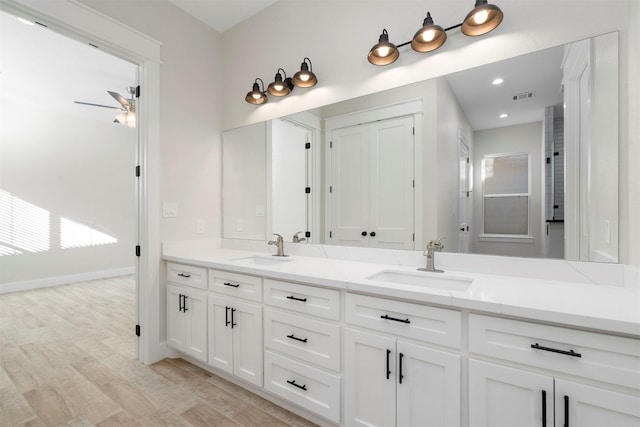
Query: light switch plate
[[169, 209]]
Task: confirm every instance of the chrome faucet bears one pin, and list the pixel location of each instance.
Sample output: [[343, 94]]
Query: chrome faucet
[[432, 246], [279, 244], [297, 239]]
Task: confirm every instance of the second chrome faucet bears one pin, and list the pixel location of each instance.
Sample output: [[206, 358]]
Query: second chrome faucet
[[279, 244]]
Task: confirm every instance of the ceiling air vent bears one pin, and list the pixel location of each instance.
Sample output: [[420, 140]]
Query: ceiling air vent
[[524, 95]]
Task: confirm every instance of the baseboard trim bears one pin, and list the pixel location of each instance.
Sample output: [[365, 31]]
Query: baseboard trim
[[46, 282]]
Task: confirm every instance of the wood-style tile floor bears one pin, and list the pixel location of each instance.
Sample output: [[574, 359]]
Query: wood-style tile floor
[[67, 358]]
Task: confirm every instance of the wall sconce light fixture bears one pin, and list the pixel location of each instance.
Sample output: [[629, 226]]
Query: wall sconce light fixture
[[483, 18], [257, 96], [283, 86]]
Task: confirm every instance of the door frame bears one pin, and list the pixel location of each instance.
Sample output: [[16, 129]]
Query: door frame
[[84, 24]]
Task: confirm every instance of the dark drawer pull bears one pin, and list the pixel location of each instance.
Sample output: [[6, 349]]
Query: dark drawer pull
[[293, 383], [395, 319], [293, 337], [184, 275], [296, 299], [233, 285], [555, 350]]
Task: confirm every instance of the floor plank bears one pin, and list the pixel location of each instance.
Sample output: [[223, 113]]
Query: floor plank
[[68, 358]]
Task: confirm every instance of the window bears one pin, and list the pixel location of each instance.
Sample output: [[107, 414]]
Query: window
[[506, 193]]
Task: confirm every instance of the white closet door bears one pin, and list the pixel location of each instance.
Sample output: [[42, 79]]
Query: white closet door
[[391, 192], [350, 186]]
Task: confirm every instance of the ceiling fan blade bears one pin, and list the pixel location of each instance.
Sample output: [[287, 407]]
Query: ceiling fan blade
[[100, 105], [121, 99]]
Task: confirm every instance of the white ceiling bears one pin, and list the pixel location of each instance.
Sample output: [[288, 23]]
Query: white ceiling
[[222, 14]]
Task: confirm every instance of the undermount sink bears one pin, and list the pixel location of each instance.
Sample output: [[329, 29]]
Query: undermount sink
[[426, 279], [262, 260]]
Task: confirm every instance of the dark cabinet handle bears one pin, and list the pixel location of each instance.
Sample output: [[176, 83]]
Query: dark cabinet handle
[[233, 285], [364, 234], [296, 299], [544, 408], [293, 337], [180, 302], [555, 350], [293, 383], [372, 234], [184, 303], [388, 370], [566, 411], [184, 275], [233, 323], [226, 316], [400, 376], [395, 319]]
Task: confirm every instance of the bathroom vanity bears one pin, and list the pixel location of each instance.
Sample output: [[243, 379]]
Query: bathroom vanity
[[491, 341]]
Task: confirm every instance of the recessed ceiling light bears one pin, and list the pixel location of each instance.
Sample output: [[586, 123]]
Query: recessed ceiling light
[[504, 115], [498, 81], [25, 21]]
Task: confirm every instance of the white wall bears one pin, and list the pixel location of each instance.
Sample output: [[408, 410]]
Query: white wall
[[526, 138], [69, 160], [449, 120], [338, 51], [191, 84]]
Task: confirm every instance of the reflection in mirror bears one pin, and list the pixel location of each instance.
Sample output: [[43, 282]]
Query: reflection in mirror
[[547, 119]]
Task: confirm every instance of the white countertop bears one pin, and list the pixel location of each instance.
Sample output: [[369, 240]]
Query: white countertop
[[608, 308]]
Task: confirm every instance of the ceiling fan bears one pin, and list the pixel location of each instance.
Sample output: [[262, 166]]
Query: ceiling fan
[[127, 106]]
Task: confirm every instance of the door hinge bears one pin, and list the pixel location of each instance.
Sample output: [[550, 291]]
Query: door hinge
[[138, 171], [137, 250], [467, 160], [413, 237], [414, 184], [468, 193], [330, 234], [307, 234], [138, 91], [137, 330], [413, 130], [330, 144], [307, 145], [307, 190], [548, 160]]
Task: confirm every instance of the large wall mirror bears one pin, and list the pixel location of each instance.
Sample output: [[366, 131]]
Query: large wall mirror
[[518, 157]]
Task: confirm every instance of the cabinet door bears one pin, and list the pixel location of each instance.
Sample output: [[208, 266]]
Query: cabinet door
[[220, 333], [391, 198], [587, 406], [196, 327], [349, 197], [428, 387], [175, 318], [247, 341], [506, 397], [370, 379]]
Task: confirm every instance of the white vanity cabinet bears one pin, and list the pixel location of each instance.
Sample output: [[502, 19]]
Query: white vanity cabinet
[[235, 326], [187, 310], [531, 375], [393, 377], [303, 346]]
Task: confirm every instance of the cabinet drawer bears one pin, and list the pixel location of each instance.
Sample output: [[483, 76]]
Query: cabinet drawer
[[311, 388], [310, 340], [592, 355], [236, 285], [187, 275], [305, 299], [415, 321]]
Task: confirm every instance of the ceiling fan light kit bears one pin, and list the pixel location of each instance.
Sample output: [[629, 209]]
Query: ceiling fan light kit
[[282, 86], [483, 18], [127, 106]]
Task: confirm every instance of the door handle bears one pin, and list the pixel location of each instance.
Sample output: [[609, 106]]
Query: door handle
[[388, 370], [226, 316], [364, 234], [233, 310], [400, 376], [372, 234]]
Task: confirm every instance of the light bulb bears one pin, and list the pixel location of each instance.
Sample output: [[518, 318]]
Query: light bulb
[[481, 17], [428, 35], [383, 51], [131, 119], [278, 86], [256, 95], [304, 77]]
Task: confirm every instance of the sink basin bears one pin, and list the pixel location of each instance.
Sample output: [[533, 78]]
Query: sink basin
[[262, 260], [426, 279]]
